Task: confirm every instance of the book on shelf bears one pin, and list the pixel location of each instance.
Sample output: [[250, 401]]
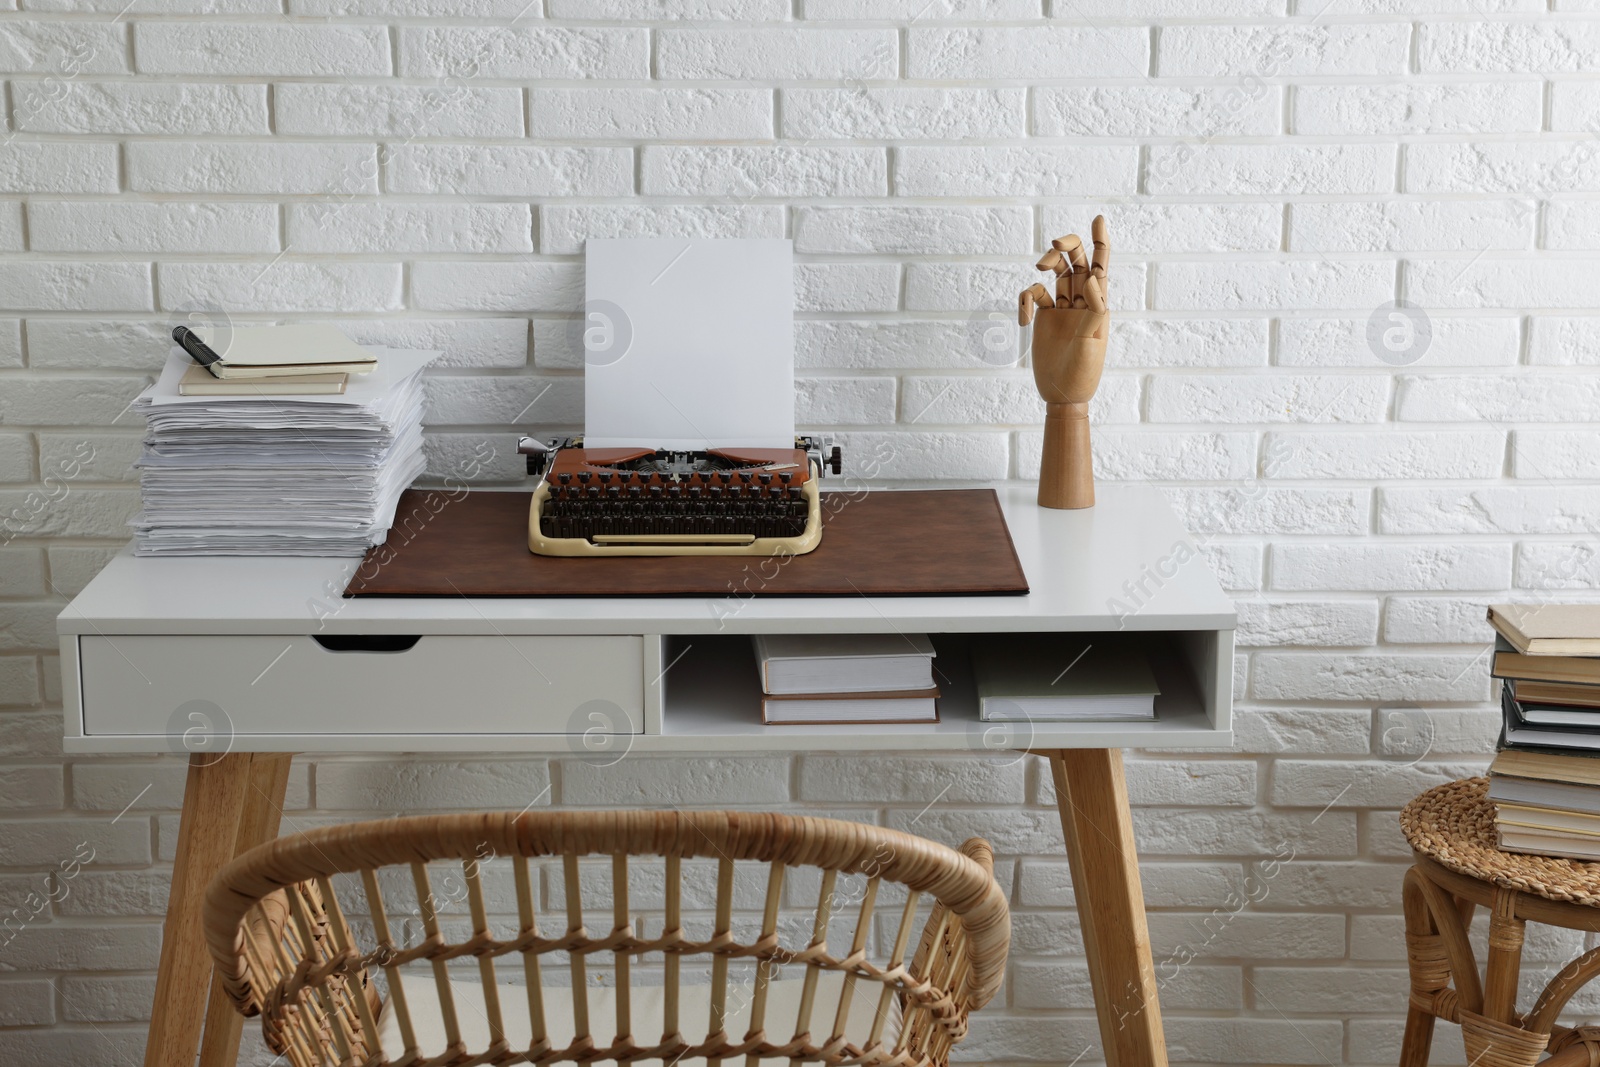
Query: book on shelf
[[799, 709], [831, 664], [1063, 678], [1549, 629], [198, 381]]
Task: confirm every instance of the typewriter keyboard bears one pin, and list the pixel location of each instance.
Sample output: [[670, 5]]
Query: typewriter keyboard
[[632, 504]]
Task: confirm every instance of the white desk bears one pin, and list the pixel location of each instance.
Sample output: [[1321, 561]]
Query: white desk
[[251, 657]]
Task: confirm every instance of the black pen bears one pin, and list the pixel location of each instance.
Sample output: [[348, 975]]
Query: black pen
[[197, 348]]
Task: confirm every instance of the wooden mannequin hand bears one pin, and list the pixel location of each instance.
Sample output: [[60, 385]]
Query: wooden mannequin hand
[[1069, 352]]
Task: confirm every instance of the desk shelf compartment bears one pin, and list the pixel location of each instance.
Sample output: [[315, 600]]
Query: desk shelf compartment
[[712, 691]]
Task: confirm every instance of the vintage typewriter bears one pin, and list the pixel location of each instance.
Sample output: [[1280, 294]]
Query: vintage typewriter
[[664, 502]]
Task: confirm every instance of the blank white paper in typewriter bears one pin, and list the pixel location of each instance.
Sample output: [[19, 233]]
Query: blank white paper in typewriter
[[688, 344]]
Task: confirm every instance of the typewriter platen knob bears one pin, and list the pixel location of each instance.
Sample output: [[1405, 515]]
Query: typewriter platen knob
[[836, 460], [536, 452]]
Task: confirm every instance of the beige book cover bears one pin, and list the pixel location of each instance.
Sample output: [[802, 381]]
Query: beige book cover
[[1546, 668], [1547, 766], [263, 351], [197, 381], [1549, 629]]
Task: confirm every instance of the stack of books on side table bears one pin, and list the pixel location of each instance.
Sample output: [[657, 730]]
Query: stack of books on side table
[[846, 678], [270, 474], [1545, 780]]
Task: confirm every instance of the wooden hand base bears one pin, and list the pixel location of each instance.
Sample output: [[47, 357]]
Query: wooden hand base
[[1066, 470]]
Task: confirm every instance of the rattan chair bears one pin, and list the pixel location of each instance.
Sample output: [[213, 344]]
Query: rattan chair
[[442, 913], [1458, 867]]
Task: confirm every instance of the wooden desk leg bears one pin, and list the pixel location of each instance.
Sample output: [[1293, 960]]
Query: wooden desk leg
[[1092, 795], [259, 822], [208, 832]]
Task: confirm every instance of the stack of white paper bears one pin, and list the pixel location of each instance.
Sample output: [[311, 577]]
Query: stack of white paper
[[315, 475]]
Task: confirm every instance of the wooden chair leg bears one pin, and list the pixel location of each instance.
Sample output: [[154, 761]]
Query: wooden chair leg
[[213, 800], [1504, 965], [1497, 1036], [1426, 959], [258, 823], [1417, 1045], [1092, 795]]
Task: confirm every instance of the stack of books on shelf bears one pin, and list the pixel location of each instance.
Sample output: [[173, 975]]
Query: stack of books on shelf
[[290, 474], [1063, 678], [1545, 780], [846, 678]]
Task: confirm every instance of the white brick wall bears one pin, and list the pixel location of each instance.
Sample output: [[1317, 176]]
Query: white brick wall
[[423, 172]]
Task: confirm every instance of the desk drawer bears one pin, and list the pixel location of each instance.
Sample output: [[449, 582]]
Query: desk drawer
[[487, 684]]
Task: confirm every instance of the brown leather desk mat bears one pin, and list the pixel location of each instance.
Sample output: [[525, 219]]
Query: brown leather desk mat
[[940, 542]]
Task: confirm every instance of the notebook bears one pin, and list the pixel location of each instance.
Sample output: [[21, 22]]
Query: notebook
[[843, 663], [198, 381], [271, 351]]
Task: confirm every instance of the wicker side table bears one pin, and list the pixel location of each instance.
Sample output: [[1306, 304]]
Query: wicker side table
[[1458, 867]]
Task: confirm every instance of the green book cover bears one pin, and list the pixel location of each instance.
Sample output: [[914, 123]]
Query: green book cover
[[1074, 677]]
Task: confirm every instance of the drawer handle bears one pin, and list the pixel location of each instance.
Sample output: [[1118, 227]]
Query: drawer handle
[[367, 642]]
